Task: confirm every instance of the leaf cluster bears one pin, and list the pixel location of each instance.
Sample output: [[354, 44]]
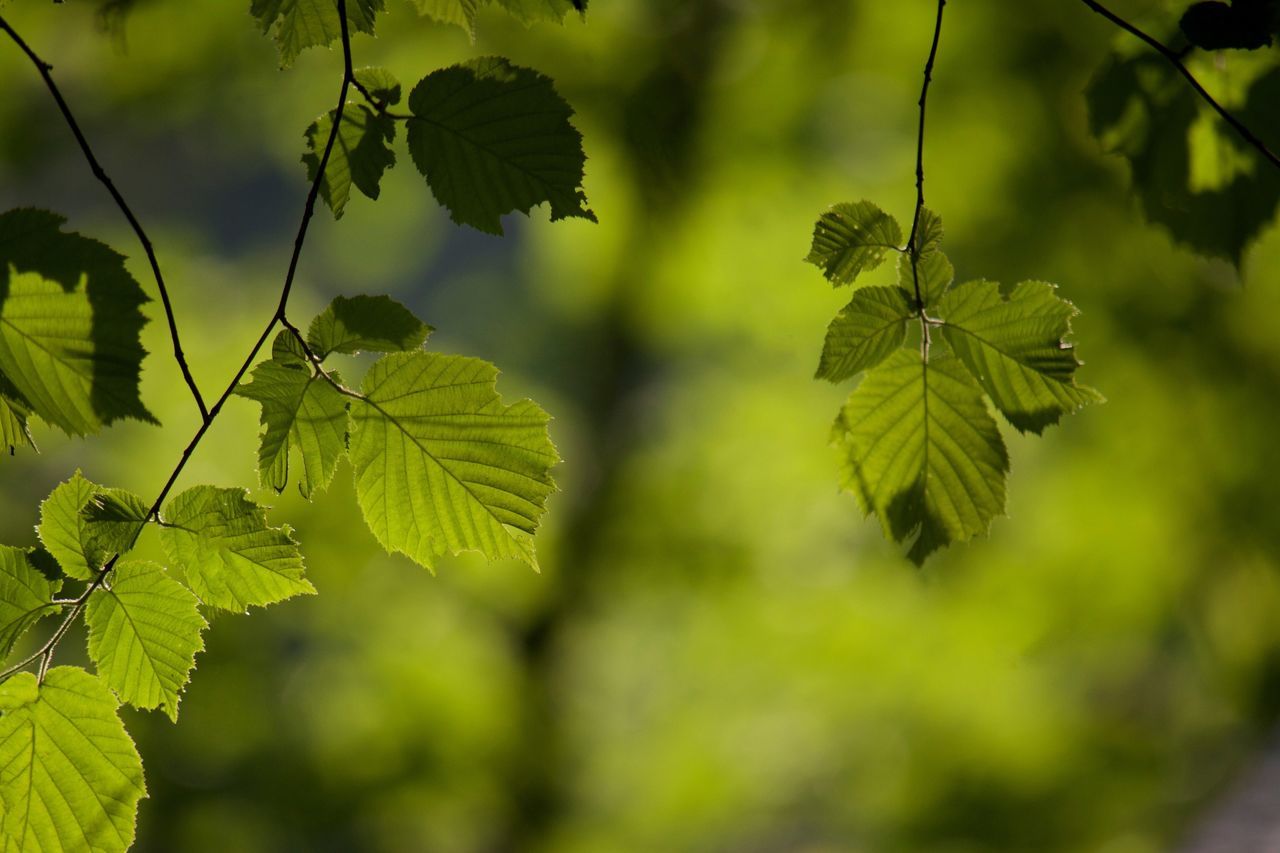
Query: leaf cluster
[[918, 446]]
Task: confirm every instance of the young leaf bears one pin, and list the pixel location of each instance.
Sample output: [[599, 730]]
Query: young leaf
[[70, 320], [920, 451], [852, 237], [365, 324], [229, 556], [1014, 347], [360, 154], [380, 83], [934, 271], [300, 24], [70, 777], [25, 595], [459, 12], [865, 332], [929, 234], [442, 466], [82, 525], [301, 411], [492, 138], [63, 529], [144, 633]]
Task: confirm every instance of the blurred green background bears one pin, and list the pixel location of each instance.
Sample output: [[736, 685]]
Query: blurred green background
[[720, 653]]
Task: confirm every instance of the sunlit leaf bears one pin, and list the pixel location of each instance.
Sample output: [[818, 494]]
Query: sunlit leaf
[[1016, 349], [301, 412], [300, 24], [442, 466], [70, 777], [144, 633], [365, 324], [25, 595], [70, 320], [852, 237], [359, 156], [865, 332], [919, 450], [226, 551], [493, 138]]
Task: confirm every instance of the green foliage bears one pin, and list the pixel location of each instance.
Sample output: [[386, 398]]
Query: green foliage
[[70, 320], [463, 12], [301, 413], [25, 595], [144, 633], [491, 138], [920, 451], [851, 238], [1192, 174], [442, 466], [360, 154], [230, 557], [918, 448], [300, 24], [71, 777], [1014, 347], [82, 525], [365, 324]]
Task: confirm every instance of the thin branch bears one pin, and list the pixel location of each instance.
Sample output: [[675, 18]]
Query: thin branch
[[1175, 59], [912, 248], [45, 653], [45, 70]]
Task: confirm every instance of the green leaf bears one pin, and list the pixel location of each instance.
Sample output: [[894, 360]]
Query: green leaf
[[25, 595], [83, 525], [365, 323], [144, 633], [492, 138], [463, 12], [113, 520], [300, 24], [14, 413], [1015, 348], [865, 332], [380, 83], [70, 777], [359, 156], [1191, 173], [442, 466], [70, 320], [303, 412], [230, 557], [919, 450], [929, 233], [851, 238], [935, 273]]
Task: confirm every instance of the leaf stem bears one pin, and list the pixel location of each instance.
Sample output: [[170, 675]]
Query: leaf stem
[[912, 248], [45, 70], [1175, 59], [45, 653]]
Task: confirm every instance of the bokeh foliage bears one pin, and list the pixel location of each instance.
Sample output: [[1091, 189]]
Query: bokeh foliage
[[719, 654]]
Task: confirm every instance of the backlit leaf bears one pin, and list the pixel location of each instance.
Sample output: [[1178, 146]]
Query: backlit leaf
[[226, 551], [1015, 348], [25, 595], [442, 466], [302, 412], [300, 24], [144, 633], [919, 450], [365, 324], [70, 777], [853, 237], [493, 138], [70, 320], [865, 332], [359, 156]]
